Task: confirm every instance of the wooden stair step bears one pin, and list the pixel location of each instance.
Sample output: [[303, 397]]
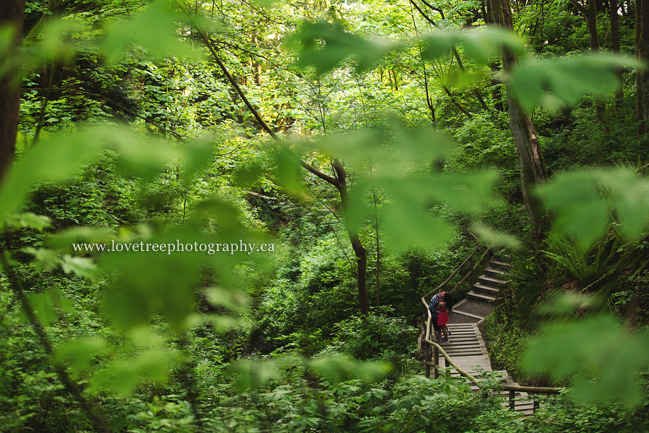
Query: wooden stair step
[[488, 289], [467, 314], [479, 297], [491, 270], [492, 280]]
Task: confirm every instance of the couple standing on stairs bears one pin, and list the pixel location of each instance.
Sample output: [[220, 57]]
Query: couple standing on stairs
[[440, 306]]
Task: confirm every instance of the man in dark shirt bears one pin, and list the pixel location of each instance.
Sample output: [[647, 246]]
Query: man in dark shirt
[[433, 313]]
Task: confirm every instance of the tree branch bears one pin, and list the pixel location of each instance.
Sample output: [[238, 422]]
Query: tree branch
[[438, 10], [430, 20], [579, 7]]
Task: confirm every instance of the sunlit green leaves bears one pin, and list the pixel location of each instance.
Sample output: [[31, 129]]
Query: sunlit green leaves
[[324, 46], [604, 356], [155, 29], [485, 44], [558, 82]]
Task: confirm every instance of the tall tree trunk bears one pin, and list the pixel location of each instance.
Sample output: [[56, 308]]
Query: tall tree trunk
[[615, 46], [357, 246], [530, 157], [639, 116], [643, 51], [11, 12], [589, 11]]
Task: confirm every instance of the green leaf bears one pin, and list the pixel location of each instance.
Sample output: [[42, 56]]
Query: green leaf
[[63, 240], [44, 259], [57, 40], [580, 211], [53, 159], [558, 82], [630, 198], [251, 375], [324, 46], [123, 376], [289, 173], [460, 80], [29, 220], [482, 45], [494, 238], [438, 44], [339, 368], [79, 352], [246, 176], [228, 298], [605, 357], [155, 29], [43, 305], [81, 266]]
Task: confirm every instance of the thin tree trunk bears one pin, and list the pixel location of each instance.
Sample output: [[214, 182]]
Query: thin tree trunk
[[11, 13]]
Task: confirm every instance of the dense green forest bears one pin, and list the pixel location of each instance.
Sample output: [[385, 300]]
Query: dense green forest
[[221, 215]]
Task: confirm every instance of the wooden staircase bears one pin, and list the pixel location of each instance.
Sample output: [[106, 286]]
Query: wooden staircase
[[477, 304], [468, 351]]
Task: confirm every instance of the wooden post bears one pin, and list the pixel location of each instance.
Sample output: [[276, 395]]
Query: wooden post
[[536, 403], [472, 277], [427, 357], [446, 365], [512, 402], [436, 362]]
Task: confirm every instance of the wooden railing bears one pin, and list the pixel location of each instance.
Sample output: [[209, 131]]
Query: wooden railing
[[435, 350], [432, 350]]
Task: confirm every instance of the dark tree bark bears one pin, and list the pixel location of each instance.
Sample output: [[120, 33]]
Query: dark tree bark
[[589, 11], [639, 115], [11, 13], [615, 46], [643, 51], [530, 157]]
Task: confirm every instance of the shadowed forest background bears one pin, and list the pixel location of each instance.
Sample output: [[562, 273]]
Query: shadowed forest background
[[373, 144]]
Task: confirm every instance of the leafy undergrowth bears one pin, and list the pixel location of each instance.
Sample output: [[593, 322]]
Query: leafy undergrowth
[[506, 343]]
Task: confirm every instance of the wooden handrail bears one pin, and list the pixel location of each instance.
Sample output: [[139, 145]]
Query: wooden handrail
[[448, 358], [528, 389]]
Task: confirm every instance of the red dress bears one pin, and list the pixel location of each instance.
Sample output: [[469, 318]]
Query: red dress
[[442, 317]]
